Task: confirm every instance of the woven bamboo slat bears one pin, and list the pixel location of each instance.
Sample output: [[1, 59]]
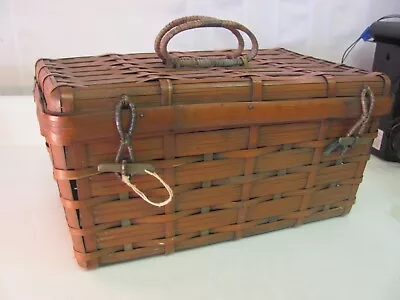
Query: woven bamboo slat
[[242, 147]]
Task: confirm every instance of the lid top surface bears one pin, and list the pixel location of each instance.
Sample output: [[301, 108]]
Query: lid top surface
[[270, 64]]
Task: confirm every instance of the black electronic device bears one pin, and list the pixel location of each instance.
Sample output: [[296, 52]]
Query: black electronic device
[[386, 35]]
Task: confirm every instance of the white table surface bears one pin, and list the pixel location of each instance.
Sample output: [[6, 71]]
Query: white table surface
[[352, 257]]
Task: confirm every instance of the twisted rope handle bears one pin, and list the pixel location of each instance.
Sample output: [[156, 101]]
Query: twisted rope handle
[[126, 142], [183, 20], [126, 179], [186, 23], [365, 117], [352, 138]]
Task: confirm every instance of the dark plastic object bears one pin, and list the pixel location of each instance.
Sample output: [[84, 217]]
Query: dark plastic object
[[386, 32], [387, 60]]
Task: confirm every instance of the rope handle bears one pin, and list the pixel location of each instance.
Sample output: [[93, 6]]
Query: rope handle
[[191, 22], [183, 20], [365, 117], [126, 179], [121, 167], [352, 138]]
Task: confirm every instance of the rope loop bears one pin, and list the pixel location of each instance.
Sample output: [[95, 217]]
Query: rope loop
[[126, 141], [366, 113], [126, 179], [182, 24], [353, 136]]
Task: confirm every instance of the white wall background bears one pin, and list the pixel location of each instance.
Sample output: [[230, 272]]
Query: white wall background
[[48, 28]]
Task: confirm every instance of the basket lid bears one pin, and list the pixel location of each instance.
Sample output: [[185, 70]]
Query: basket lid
[[96, 82]]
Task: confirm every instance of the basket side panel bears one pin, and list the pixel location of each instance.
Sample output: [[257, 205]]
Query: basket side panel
[[209, 192], [229, 181]]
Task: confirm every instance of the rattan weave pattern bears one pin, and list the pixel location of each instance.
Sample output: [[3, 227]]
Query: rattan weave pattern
[[234, 172], [270, 64], [223, 191]]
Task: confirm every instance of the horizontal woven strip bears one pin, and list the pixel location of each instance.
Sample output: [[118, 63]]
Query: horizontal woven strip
[[113, 68]]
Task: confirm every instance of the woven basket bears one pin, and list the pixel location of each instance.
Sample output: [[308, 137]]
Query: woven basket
[[247, 145]]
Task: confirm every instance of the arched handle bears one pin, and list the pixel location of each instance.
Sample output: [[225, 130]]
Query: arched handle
[[180, 21], [186, 23]]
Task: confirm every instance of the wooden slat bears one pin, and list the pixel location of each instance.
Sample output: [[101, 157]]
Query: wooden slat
[[205, 240], [144, 149], [76, 158], [336, 173], [215, 141], [317, 155], [249, 168], [68, 129], [209, 170], [279, 184], [204, 221], [206, 184], [64, 186], [120, 210], [272, 208], [283, 160], [329, 196], [268, 227], [208, 196], [211, 141], [169, 154], [129, 255], [288, 133], [131, 235]]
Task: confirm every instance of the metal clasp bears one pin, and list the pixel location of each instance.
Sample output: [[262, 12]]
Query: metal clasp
[[343, 142], [125, 137], [125, 167], [346, 143], [350, 140]]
